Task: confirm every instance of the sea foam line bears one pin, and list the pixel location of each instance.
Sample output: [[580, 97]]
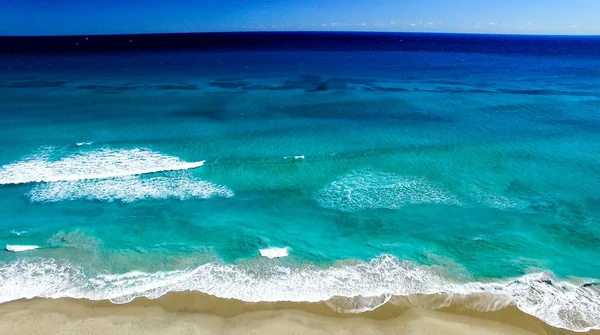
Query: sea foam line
[[274, 252], [178, 185], [366, 285], [21, 248], [97, 164], [367, 189]]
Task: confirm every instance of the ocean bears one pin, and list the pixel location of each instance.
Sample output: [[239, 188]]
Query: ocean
[[354, 175]]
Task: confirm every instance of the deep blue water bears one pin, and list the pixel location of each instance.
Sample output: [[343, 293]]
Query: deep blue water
[[379, 173]]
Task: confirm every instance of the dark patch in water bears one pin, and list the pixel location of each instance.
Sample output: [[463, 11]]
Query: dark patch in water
[[107, 91], [175, 87], [307, 83], [229, 85], [390, 89], [528, 91], [108, 88], [321, 87], [445, 82], [450, 89], [357, 81], [526, 110], [212, 107], [591, 125], [241, 245], [398, 110], [339, 84], [212, 114], [267, 88], [94, 87], [34, 84], [478, 90], [226, 92], [115, 89], [593, 103]]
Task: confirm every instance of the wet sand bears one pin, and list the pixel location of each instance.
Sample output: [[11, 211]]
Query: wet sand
[[194, 313]]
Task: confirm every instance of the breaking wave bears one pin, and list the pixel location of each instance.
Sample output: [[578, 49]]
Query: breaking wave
[[97, 164], [346, 286], [129, 189], [373, 189]]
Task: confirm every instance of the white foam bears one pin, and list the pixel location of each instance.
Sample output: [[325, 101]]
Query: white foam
[[274, 252], [357, 304], [497, 201], [97, 164], [128, 189], [20, 248], [372, 189], [18, 232], [299, 157], [79, 144], [559, 303]]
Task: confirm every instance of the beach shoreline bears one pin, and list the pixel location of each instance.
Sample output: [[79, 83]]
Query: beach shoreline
[[197, 313]]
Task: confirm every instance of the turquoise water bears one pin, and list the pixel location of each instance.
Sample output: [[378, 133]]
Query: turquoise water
[[372, 175]]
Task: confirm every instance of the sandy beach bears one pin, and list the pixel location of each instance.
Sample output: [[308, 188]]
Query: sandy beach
[[193, 313]]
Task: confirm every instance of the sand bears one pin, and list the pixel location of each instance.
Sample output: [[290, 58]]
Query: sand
[[194, 313]]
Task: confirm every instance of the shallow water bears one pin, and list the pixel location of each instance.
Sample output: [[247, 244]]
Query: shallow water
[[381, 173]]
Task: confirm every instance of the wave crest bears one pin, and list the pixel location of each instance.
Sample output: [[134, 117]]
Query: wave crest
[[97, 164], [373, 189], [20, 248], [129, 189]]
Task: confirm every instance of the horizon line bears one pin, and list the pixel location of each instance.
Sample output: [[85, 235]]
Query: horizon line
[[304, 32]]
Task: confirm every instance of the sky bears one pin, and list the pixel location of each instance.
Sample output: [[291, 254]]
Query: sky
[[82, 17]]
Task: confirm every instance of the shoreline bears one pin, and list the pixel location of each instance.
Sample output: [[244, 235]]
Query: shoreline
[[198, 313]]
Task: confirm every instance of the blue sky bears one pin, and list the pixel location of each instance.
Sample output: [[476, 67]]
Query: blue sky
[[64, 17]]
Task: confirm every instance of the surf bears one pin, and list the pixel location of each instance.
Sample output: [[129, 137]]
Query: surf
[[347, 287], [85, 165], [174, 185], [359, 190], [20, 248], [274, 252]]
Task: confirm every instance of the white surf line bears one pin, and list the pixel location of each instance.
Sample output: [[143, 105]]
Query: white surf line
[[21, 248], [98, 164], [274, 252]]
